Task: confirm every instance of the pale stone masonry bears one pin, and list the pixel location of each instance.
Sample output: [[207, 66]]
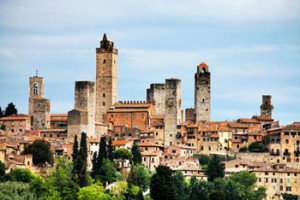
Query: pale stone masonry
[[156, 93], [41, 114], [82, 117], [266, 108], [202, 93], [36, 90], [106, 78], [172, 110]]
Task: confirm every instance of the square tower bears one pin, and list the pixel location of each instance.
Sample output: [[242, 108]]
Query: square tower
[[202, 93], [82, 117], [156, 94], [266, 108], [41, 114], [106, 78], [172, 110], [36, 90]]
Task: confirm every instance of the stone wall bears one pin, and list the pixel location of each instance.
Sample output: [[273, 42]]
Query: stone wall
[[202, 93], [190, 114], [172, 110], [41, 114], [106, 78], [156, 93], [266, 108], [36, 90]]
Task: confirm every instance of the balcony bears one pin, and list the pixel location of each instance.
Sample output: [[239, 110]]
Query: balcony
[[286, 153]]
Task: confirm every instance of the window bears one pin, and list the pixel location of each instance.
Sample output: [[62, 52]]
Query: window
[[126, 116], [286, 141], [204, 139], [288, 188], [144, 159], [20, 123], [156, 133], [143, 116], [103, 95], [288, 180], [152, 160], [36, 88], [173, 151], [267, 180], [12, 123], [286, 133], [104, 61], [281, 188], [133, 116], [139, 125], [266, 173], [170, 135], [103, 116], [259, 179]]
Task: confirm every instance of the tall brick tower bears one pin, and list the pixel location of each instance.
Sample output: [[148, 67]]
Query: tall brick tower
[[202, 93], [106, 78], [36, 90], [266, 108]]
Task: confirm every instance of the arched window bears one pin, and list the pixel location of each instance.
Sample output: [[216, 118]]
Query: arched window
[[203, 70], [36, 88], [272, 141]]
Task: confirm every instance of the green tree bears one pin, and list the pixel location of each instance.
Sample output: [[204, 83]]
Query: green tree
[[246, 181], [94, 164], [243, 149], [110, 150], [81, 163], [137, 156], [199, 189], [2, 171], [123, 154], [287, 196], [21, 175], [40, 150], [94, 191], [3, 127], [16, 191], [10, 110], [143, 176], [60, 183], [1, 112], [203, 159], [75, 159], [107, 172], [257, 147], [215, 168], [162, 185], [102, 154], [216, 195], [182, 189], [38, 187], [132, 177], [140, 195], [232, 191]]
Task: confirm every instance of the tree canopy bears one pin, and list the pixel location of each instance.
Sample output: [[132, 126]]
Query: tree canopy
[[10, 110], [215, 168], [40, 150], [137, 156], [257, 147]]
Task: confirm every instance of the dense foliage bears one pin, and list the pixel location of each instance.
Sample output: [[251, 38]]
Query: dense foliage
[[215, 168], [257, 147], [40, 150], [10, 110], [137, 156]]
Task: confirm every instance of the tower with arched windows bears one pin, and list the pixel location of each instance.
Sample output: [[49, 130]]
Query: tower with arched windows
[[202, 93], [106, 78], [36, 90]]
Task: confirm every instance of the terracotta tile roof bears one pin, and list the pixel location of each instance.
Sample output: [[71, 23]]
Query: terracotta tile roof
[[120, 143], [237, 125], [203, 64], [248, 120], [15, 117], [262, 118], [214, 136]]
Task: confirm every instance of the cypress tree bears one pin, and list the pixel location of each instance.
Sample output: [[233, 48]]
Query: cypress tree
[[75, 156], [10, 110], [102, 152], [81, 165], [137, 156], [1, 112], [110, 150], [94, 165]]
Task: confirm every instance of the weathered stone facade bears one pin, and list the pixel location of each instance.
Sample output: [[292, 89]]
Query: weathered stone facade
[[106, 78], [172, 110], [36, 90], [202, 93], [82, 117], [41, 114], [266, 108], [190, 114], [156, 93]]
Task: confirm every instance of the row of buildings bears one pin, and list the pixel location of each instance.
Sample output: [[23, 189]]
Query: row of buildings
[[164, 132]]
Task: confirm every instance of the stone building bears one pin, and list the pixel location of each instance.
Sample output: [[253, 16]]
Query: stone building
[[36, 90], [156, 94], [106, 78], [172, 110], [82, 117], [41, 114], [266, 108], [16, 123], [190, 114], [202, 93]]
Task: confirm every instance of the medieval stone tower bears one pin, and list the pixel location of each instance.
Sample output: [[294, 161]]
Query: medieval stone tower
[[36, 90], [156, 93], [202, 93], [266, 108], [106, 78], [82, 117], [172, 110]]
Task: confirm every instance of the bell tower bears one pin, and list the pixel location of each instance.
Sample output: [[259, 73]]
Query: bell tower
[[106, 78], [36, 90], [202, 93], [266, 108]]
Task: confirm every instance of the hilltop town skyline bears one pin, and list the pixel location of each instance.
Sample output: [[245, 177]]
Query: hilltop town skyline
[[246, 60]]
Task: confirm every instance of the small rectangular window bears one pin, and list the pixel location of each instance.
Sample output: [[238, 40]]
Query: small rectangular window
[[103, 95], [103, 103], [104, 61]]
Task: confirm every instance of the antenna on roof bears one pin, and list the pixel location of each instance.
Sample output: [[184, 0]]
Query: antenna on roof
[[36, 73]]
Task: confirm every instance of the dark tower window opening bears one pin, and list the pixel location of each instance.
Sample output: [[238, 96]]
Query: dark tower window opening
[[103, 116], [103, 103], [36, 88], [266, 102], [104, 61], [203, 70], [203, 100], [103, 94]]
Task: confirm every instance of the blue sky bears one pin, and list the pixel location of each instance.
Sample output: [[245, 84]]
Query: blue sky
[[252, 48]]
